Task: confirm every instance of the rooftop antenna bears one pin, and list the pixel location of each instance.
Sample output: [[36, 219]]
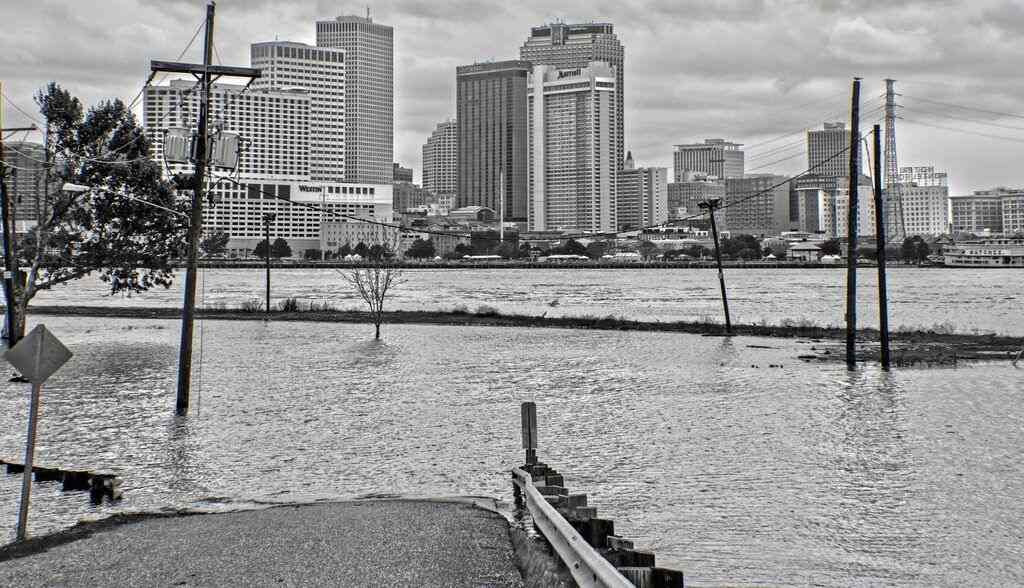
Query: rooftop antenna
[[367, 12]]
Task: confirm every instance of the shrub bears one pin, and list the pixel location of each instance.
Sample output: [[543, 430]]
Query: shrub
[[252, 305], [485, 310], [288, 305]]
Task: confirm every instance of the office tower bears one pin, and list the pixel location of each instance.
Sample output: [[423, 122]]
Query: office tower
[[757, 205], [274, 170], [26, 174], [440, 159], [826, 149], [491, 113], [838, 225], [642, 196], [401, 174], [714, 157], [369, 94], [575, 46], [925, 200], [572, 116], [999, 210], [684, 197], [320, 71]]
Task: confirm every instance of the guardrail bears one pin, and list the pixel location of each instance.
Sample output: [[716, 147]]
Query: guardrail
[[587, 567], [586, 544]]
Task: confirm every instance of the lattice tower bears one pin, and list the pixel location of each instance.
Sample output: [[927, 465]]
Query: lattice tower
[[895, 228]]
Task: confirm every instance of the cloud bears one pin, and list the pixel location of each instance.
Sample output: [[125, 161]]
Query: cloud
[[859, 42]]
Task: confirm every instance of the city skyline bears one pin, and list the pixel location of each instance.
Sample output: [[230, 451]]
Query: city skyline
[[726, 77]]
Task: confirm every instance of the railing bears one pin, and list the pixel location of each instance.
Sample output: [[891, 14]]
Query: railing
[[587, 567]]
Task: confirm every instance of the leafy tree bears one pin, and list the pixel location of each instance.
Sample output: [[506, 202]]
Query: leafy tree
[[377, 251], [311, 254], [462, 249], [596, 249], [735, 245], [280, 248], [648, 249], [914, 249], [102, 230], [361, 250], [524, 250], [507, 250], [260, 250], [748, 253], [831, 247], [574, 247], [695, 251], [344, 251], [215, 243], [421, 249]]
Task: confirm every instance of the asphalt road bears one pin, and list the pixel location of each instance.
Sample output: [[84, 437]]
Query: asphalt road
[[365, 543]]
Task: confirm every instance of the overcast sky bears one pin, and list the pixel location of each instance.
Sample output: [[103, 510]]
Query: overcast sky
[[745, 70]]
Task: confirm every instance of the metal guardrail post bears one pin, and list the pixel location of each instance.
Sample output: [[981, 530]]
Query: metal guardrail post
[[588, 568]]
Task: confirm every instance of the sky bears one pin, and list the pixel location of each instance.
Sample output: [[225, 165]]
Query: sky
[[758, 72]]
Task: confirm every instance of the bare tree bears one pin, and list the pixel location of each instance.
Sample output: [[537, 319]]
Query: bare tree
[[374, 281]]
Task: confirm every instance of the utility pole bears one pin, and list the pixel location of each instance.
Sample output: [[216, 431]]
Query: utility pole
[[710, 206], [851, 231], [10, 257], [206, 74], [883, 297], [268, 217]]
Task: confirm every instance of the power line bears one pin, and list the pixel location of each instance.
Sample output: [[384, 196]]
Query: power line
[[954, 129], [966, 119], [21, 110], [951, 105]]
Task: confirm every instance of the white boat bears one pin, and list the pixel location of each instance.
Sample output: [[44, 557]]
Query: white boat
[[990, 252]]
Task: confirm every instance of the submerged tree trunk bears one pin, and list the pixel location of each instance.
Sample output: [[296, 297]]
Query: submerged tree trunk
[[377, 324]]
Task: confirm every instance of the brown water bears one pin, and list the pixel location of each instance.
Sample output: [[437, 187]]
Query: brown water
[[737, 474]]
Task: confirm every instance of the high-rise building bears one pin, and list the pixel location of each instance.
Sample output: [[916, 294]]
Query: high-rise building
[[999, 210], [491, 113], [823, 151], [369, 94], [684, 197], [440, 159], [320, 71], [26, 172], [401, 174], [837, 225], [757, 205], [641, 199], [714, 157], [575, 46], [273, 174], [925, 200], [572, 116]]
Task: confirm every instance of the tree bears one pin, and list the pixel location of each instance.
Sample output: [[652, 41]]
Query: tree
[[914, 249], [462, 250], [215, 243], [373, 283], [574, 247], [344, 251], [647, 249], [506, 250], [311, 254], [831, 247], [280, 248], [421, 249], [735, 246], [103, 230], [260, 250], [597, 249], [361, 250]]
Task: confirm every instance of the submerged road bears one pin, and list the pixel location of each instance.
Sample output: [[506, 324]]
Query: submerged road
[[363, 543]]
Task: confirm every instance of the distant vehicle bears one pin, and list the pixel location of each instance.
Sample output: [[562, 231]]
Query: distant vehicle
[[831, 259], [482, 257], [566, 257]]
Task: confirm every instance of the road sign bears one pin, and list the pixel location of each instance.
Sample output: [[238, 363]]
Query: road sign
[[38, 355]]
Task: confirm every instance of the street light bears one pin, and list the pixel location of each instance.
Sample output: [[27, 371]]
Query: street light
[[268, 217]]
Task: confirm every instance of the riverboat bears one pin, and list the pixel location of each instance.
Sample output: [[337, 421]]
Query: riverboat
[[993, 252]]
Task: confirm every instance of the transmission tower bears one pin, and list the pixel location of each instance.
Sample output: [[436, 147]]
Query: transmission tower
[[895, 228]]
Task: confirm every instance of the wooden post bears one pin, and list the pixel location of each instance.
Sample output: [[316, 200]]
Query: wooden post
[[883, 296], [529, 423], [851, 230], [711, 205]]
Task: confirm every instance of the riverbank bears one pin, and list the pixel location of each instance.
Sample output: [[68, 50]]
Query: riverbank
[[359, 543], [910, 347], [528, 264]]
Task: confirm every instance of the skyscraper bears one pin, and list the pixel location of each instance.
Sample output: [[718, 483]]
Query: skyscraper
[[572, 116], [440, 159], [491, 113], [757, 205], [925, 200], [641, 199], [823, 149], [320, 71], [714, 157], [567, 46], [369, 94]]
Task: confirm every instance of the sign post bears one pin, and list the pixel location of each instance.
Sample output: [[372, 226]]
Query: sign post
[[38, 356]]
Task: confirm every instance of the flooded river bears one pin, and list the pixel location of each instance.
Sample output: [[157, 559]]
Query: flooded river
[[734, 471]]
